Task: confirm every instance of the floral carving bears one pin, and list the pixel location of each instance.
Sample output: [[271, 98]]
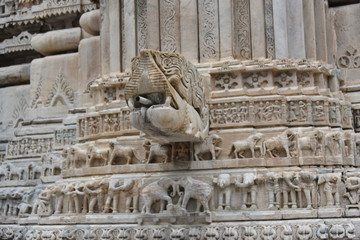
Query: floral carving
[[60, 92], [351, 58], [225, 81]]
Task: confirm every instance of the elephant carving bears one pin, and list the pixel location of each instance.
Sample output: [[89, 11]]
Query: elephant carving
[[199, 190], [158, 190]]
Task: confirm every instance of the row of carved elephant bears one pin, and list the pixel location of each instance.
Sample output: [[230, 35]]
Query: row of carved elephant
[[273, 190], [102, 195], [283, 231]]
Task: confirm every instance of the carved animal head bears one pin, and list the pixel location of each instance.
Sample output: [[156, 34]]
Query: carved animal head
[[224, 180], [215, 139]]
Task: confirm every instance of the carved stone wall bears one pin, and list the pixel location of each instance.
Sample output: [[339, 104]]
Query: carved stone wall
[[179, 119]]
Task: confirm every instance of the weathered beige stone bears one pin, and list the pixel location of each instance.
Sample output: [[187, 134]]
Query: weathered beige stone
[[234, 130], [57, 41]]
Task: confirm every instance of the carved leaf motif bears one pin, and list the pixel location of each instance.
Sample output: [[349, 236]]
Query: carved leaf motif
[[60, 92], [37, 99], [19, 112]]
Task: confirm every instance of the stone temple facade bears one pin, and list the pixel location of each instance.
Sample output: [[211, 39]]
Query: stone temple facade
[[179, 119]]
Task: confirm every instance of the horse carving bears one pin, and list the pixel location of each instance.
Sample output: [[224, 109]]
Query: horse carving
[[208, 145], [274, 144], [238, 148]]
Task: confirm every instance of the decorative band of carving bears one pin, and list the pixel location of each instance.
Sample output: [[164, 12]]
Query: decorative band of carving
[[29, 147], [306, 230], [105, 123], [280, 110]]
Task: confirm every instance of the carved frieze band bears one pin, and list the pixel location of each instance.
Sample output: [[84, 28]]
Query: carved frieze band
[[115, 122], [309, 230], [249, 194], [17, 43], [64, 137], [280, 110], [29, 12], [289, 74], [49, 8], [28, 146], [242, 29]]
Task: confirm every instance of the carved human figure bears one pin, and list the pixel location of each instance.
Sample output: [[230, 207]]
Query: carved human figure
[[248, 183], [331, 183], [348, 144], [318, 111], [290, 185], [333, 143], [92, 125], [352, 185], [307, 185], [274, 190], [277, 110], [332, 113], [107, 123], [243, 112], [233, 112], [45, 207], [238, 148], [292, 112], [302, 111], [210, 144], [223, 182], [260, 112], [269, 111]]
